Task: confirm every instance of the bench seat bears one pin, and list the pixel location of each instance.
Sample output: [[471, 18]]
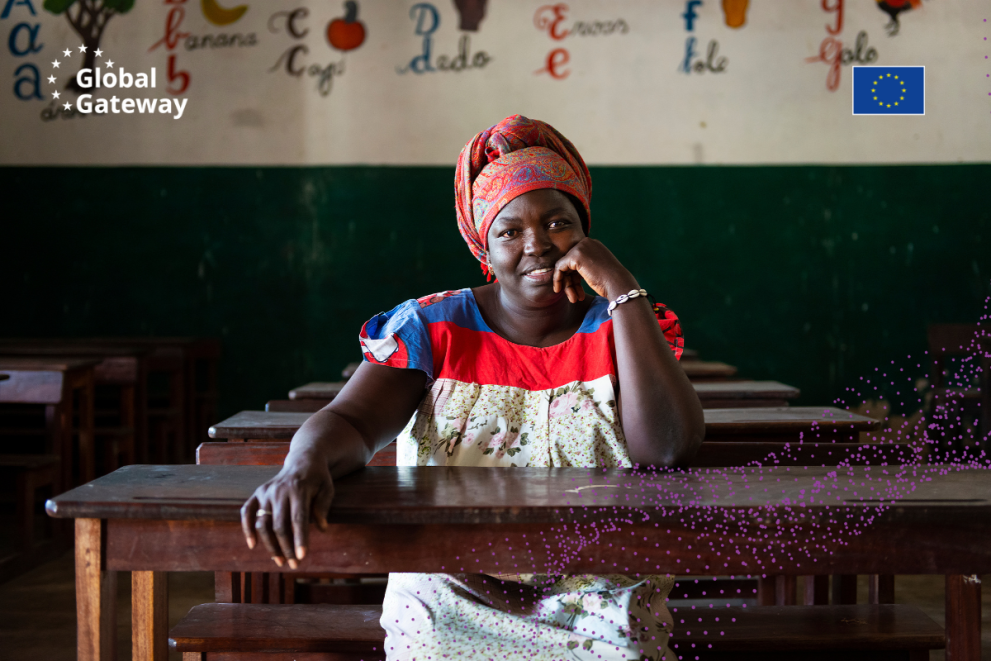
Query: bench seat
[[210, 632]]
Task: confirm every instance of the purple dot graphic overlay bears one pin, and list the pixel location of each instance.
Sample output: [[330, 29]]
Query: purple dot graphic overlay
[[929, 428]]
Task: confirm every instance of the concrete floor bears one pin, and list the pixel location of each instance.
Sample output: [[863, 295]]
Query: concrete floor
[[38, 616]]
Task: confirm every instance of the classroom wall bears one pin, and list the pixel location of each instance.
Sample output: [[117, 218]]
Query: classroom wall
[[630, 82], [810, 275]]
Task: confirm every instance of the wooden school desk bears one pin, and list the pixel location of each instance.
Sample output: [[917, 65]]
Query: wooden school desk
[[189, 402], [734, 437], [123, 366], [64, 386], [154, 519]]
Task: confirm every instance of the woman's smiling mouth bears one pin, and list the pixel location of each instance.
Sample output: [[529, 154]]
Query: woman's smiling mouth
[[540, 275]]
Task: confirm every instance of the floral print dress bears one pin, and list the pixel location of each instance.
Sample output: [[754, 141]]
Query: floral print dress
[[490, 402]]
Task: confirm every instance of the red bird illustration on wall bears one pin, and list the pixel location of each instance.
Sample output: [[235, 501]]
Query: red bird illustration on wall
[[894, 7]]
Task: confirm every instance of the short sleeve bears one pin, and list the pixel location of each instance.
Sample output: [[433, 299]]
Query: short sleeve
[[671, 328], [398, 338]]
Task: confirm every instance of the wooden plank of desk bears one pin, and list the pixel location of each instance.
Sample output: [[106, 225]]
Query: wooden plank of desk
[[268, 453], [96, 594], [463, 495], [711, 454], [963, 608], [317, 390], [118, 364], [706, 369], [744, 390], [150, 615], [817, 423], [260, 425], [37, 380]]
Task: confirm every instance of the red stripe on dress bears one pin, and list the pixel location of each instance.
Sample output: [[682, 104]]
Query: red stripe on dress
[[481, 357]]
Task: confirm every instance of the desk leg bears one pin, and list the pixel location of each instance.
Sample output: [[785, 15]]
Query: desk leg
[[880, 589], [963, 618], [149, 616], [96, 594], [816, 590], [844, 589], [87, 435]]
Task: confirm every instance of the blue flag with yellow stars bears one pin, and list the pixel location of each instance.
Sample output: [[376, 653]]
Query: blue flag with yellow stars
[[889, 90]]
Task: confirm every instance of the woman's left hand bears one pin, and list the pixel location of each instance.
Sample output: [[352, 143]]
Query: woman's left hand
[[591, 261]]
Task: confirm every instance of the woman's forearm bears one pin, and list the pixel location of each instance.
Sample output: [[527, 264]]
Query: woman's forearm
[[660, 410], [330, 438]]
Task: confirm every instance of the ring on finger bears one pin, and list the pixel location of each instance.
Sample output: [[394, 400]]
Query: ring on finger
[[262, 512]]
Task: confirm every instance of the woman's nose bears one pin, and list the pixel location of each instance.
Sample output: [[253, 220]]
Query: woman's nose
[[537, 243]]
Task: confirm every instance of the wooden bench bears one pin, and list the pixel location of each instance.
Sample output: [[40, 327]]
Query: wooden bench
[[892, 632], [184, 401], [64, 387], [31, 473]]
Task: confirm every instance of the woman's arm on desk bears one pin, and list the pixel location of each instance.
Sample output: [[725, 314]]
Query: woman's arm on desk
[[369, 412]]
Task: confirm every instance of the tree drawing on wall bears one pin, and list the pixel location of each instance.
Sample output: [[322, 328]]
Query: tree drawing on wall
[[89, 19]]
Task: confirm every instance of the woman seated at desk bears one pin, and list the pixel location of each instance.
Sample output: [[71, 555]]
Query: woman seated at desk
[[525, 371]]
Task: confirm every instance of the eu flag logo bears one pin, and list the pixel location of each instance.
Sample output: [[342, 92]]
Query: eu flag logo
[[889, 90]]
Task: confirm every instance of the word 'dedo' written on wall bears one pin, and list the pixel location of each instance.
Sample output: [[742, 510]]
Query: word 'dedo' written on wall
[[98, 79]]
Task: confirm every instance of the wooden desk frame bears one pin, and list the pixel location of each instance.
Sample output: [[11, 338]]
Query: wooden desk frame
[[151, 548]]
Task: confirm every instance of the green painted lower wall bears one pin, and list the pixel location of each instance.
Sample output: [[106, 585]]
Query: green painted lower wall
[[810, 275]]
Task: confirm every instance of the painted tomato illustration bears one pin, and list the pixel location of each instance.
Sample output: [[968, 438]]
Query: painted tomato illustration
[[346, 33]]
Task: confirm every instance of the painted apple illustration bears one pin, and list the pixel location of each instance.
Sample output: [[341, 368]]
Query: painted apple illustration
[[346, 33]]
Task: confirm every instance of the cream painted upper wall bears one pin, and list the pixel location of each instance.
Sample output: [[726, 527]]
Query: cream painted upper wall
[[622, 98]]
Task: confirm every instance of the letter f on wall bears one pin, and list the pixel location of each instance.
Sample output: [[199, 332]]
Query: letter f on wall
[[690, 14]]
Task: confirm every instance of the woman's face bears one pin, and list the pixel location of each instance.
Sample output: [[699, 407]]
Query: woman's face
[[528, 237]]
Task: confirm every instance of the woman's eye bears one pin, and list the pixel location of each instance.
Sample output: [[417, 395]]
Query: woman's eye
[[509, 234]]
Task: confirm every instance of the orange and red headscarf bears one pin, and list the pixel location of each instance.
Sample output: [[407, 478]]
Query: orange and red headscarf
[[515, 156]]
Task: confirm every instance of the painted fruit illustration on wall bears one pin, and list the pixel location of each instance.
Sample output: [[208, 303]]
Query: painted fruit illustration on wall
[[735, 12], [346, 33], [894, 7], [220, 15], [472, 12]]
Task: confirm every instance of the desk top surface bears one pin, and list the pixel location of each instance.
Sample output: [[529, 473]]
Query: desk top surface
[[774, 420], [69, 347], [745, 390], [471, 495], [44, 363], [707, 368], [317, 390]]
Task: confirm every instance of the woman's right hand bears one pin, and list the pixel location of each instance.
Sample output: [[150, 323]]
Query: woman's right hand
[[279, 511]]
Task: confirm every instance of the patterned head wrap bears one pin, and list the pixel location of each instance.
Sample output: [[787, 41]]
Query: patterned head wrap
[[515, 156]]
